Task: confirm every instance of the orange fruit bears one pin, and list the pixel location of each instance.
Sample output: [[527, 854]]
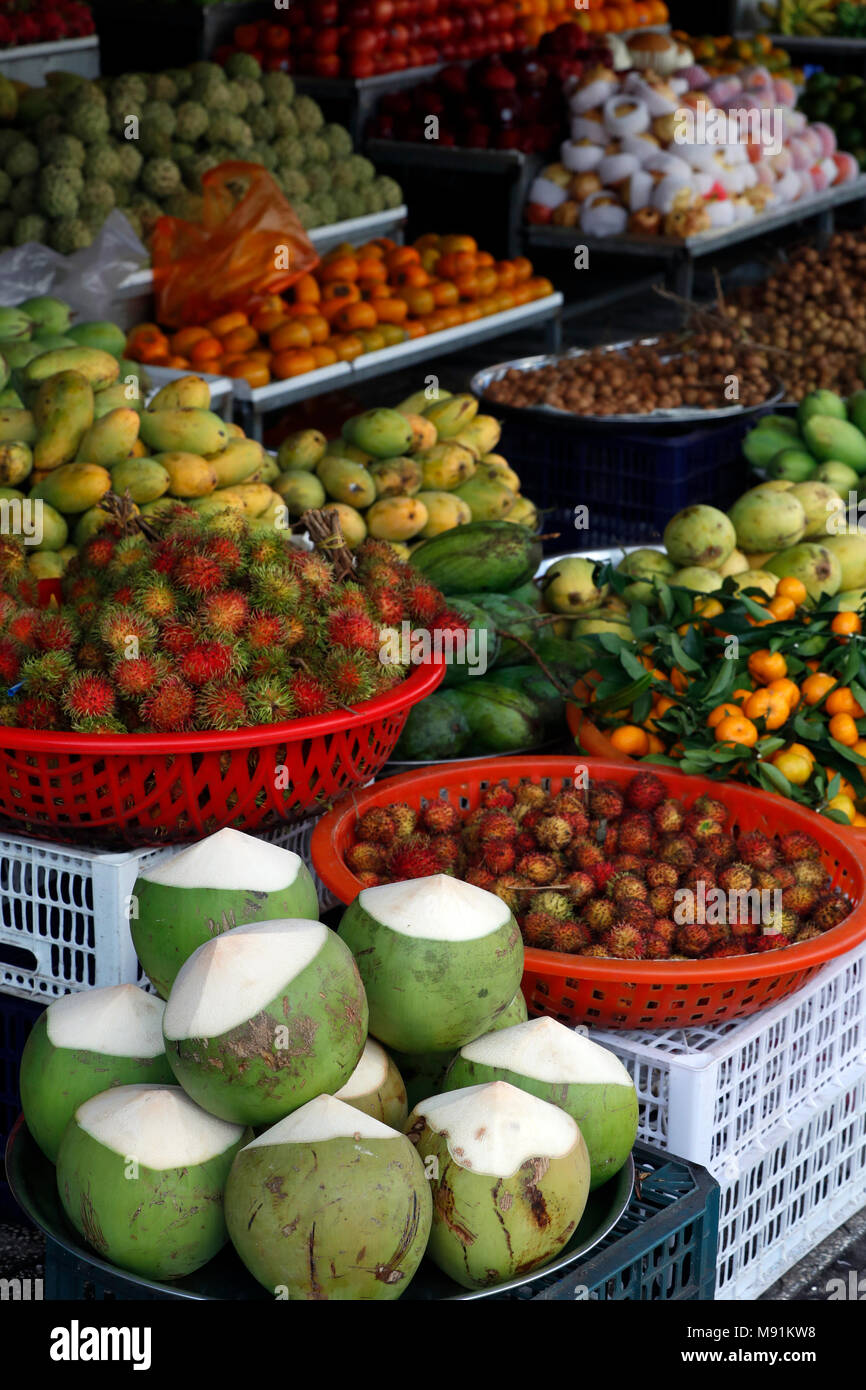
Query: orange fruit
[[860, 747], [815, 687], [663, 705], [766, 666], [792, 588], [844, 624], [788, 688], [782, 607], [741, 695], [736, 728], [656, 745], [843, 729], [721, 712], [802, 750], [771, 706], [629, 738], [843, 702], [679, 681]]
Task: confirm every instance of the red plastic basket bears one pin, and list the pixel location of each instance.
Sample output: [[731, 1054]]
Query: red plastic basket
[[616, 993], [147, 789]]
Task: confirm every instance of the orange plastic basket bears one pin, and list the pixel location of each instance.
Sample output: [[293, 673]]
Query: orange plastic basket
[[616, 993], [158, 789]]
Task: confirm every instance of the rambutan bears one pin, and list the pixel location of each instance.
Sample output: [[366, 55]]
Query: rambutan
[[798, 845], [225, 550], [441, 818], [125, 632], [511, 889], [498, 856], [170, 708], [499, 798], [660, 875], [23, 626], [718, 850], [552, 832], [175, 637], [413, 857], [810, 871], [669, 817], [657, 948], [538, 868], [264, 632], [423, 600], [204, 662], [755, 849], [309, 694], [693, 940], [447, 850], [363, 857], [225, 613], [630, 864], [830, 911], [710, 806], [387, 607], [736, 877], [556, 904], [350, 675], [377, 825], [809, 932], [800, 899], [595, 951], [666, 929], [605, 800], [269, 701], [722, 952], [222, 705], [56, 632], [701, 827], [314, 572], [34, 712], [661, 900], [645, 791], [585, 854], [497, 825], [199, 574], [770, 941], [525, 843], [97, 553], [538, 929], [405, 818], [580, 887], [599, 914], [88, 697], [10, 661], [626, 888], [480, 877], [135, 676], [624, 942], [635, 835], [275, 589], [531, 795], [601, 874], [347, 628], [156, 598], [569, 802], [637, 914], [569, 937], [91, 657], [367, 879], [678, 850], [783, 876]]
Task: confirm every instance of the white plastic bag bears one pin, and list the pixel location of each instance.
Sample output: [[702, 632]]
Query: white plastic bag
[[87, 280]]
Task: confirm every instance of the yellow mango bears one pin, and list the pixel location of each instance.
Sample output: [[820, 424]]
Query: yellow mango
[[236, 462], [183, 429], [185, 392], [63, 411], [190, 474], [111, 438], [98, 367]]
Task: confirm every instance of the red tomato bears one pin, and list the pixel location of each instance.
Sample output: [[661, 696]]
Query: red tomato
[[247, 36], [326, 41], [361, 65], [276, 38], [327, 65], [398, 36], [324, 12], [360, 16], [382, 11]]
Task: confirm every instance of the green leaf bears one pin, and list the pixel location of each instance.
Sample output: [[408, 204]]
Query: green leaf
[[834, 786], [773, 779], [841, 750], [682, 658], [632, 666], [666, 602], [638, 616], [838, 816]]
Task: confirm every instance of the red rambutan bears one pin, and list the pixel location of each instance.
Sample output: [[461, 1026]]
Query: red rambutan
[[269, 700], [531, 795], [137, 675], [635, 835], [347, 628], [538, 928], [423, 600], [678, 850], [601, 874], [480, 877], [170, 708], [200, 574], [669, 817], [351, 676], [405, 818], [624, 942], [10, 663], [225, 613], [88, 697], [712, 807], [309, 695], [605, 801], [441, 818], [538, 868], [569, 937], [364, 858], [497, 855], [222, 705], [314, 572], [447, 850], [798, 845], [497, 825], [498, 799], [377, 825], [736, 877], [645, 791], [413, 858], [659, 875], [580, 887], [599, 914], [553, 832], [693, 940], [208, 661], [23, 626]]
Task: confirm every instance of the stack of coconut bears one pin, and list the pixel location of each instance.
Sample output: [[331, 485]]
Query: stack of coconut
[[248, 1101]]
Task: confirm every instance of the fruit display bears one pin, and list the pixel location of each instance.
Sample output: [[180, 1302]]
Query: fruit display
[[840, 102], [405, 475], [816, 18], [514, 101], [358, 300], [145, 1105], [722, 53], [44, 21], [826, 441], [679, 153], [76, 149], [606, 872]]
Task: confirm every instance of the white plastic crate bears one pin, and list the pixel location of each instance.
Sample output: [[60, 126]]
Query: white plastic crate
[[709, 1093], [782, 1197], [63, 922]]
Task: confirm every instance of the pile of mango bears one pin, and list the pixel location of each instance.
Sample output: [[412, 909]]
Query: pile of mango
[[826, 440], [74, 426], [405, 474]]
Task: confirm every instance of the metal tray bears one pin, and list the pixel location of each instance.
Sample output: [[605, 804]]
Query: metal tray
[[685, 415], [33, 1184]]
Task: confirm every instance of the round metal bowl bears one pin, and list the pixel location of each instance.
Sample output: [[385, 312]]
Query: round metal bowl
[[33, 1184]]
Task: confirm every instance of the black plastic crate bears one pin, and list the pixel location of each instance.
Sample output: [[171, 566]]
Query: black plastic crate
[[151, 35], [17, 1017], [663, 1248], [631, 483]]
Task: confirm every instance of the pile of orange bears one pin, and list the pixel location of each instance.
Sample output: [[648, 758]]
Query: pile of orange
[[358, 299], [537, 17]]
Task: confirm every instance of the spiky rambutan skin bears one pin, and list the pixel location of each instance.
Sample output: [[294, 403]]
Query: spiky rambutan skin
[[718, 850], [724, 951], [556, 904], [770, 941], [447, 850], [222, 705], [630, 864], [125, 632], [204, 662], [601, 874], [599, 914], [56, 632], [638, 915], [531, 795], [553, 832], [645, 791], [580, 887], [156, 598], [624, 942], [669, 817], [479, 877], [660, 875], [667, 929], [351, 676], [627, 888], [661, 900], [377, 825], [171, 707], [98, 552], [800, 899], [742, 930], [797, 845], [499, 798], [605, 801], [364, 857], [405, 819], [678, 850], [607, 836], [43, 675], [269, 701], [176, 636], [137, 676], [830, 911], [701, 827], [497, 856], [413, 858], [595, 951], [309, 695], [34, 712], [10, 661], [511, 888], [693, 940], [387, 607], [263, 632], [657, 948], [811, 872], [346, 628], [225, 614], [89, 697], [423, 600], [700, 873], [783, 876], [569, 937], [568, 801], [538, 928], [718, 932], [585, 855], [441, 818], [539, 868], [756, 849], [122, 595], [736, 877], [314, 572], [497, 825], [23, 626], [199, 574], [711, 806], [808, 932], [525, 843]]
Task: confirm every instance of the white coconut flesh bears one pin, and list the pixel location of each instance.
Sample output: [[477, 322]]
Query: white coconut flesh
[[158, 1126], [370, 1073], [321, 1119], [548, 1051], [495, 1128], [228, 980], [439, 908], [118, 1021], [230, 861]]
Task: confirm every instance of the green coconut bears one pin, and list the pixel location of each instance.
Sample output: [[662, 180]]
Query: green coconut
[[264, 1018], [209, 888], [376, 1087], [141, 1173], [510, 1179], [565, 1068], [439, 959], [329, 1204], [83, 1044], [424, 1072]]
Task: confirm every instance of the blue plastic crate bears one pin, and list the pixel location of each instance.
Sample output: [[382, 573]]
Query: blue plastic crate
[[663, 1248], [17, 1017], [631, 483]]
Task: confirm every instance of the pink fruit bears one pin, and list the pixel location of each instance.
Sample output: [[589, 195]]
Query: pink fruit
[[827, 136], [847, 167]]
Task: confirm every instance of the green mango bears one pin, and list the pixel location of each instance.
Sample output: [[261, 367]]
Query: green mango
[[16, 463], [183, 430], [793, 464], [501, 720], [52, 531], [120, 396], [144, 479], [49, 315], [857, 410], [762, 444], [821, 403], [10, 398], [436, 728], [100, 368], [74, 487], [110, 439], [301, 450], [14, 325], [107, 337], [17, 426], [829, 438], [300, 490], [63, 411]]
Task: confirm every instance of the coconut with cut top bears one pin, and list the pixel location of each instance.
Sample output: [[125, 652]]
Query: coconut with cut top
[[329, 1204], [141, 1173], [263, 1018], [376, 1087], [209, 888], [83, 1044], [566, 1068], [439, 959], [510, 1181], [424, 1072]]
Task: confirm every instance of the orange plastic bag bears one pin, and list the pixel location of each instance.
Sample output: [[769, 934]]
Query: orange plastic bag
[[249, 242]]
